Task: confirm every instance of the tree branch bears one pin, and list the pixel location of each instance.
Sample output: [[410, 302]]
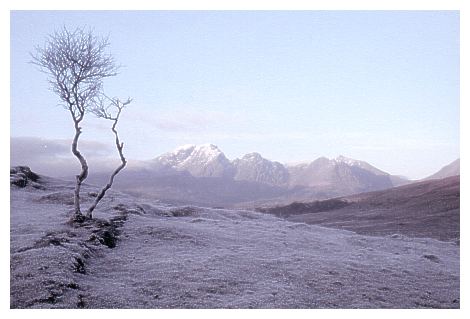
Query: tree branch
[[104, 112]]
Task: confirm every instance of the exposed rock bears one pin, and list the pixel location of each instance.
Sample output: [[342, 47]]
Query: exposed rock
[[22, 176]]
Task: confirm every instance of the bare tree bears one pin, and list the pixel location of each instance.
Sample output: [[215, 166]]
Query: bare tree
[[111, 112], [76, 63]]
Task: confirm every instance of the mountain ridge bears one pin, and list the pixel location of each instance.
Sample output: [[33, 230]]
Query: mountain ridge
[[451, 169], [207, 160], [203, 175]]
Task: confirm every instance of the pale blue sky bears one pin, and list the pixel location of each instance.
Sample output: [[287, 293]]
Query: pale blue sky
[[377, 86]]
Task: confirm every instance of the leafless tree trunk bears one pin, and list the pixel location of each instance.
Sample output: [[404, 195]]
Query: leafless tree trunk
[[83, 174], [104, 112], [76, 63]]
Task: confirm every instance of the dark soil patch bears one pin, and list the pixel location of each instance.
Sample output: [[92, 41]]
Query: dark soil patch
[[50, 239], [432, 258], [297, 208], [184, 211], [79, 265]]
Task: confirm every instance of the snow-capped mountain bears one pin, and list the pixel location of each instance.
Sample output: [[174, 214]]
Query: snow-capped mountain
[[202, 174], [205, 160], [360, 164], [253, 167], [340, 173]]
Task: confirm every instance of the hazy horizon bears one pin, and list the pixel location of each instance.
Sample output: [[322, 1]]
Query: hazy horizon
[[382, 87], [54, 158]]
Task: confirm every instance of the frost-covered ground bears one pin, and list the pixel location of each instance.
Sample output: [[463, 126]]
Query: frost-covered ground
[[191, 257]]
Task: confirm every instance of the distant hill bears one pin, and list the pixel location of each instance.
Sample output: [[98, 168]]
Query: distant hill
[[423, 209], [343, 174], [452, 169]]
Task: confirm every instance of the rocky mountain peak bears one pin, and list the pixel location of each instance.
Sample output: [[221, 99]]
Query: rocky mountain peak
[[253, 167], [252, 157], [205, 160]]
